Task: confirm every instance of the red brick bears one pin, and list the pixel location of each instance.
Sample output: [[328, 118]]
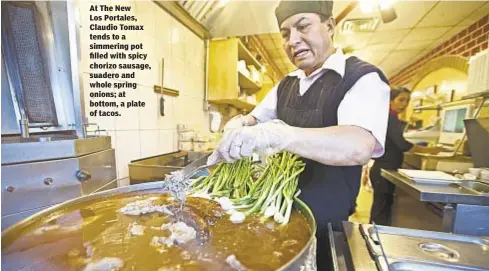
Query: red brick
[[473, 27], [486, 28], [481, 39], [483, 20], [484, 46], [477, 33], [471, 44], [474, 51], [466, 54], [461, 34]]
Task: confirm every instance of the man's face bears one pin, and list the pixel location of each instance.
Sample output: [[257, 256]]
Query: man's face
[[307, 40]]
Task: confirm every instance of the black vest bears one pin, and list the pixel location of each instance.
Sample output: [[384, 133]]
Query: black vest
[[330, 191]]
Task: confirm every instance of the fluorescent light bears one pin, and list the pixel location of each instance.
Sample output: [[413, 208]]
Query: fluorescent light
[[351, 26]]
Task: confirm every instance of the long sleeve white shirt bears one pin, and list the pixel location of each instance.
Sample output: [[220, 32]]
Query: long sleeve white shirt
[[365, 105]]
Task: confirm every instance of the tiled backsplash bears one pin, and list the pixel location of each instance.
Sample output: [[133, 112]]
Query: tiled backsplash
[[143, 132]]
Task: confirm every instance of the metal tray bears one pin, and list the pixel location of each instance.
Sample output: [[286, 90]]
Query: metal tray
[[397, 265], [155, 168], [406, 249]]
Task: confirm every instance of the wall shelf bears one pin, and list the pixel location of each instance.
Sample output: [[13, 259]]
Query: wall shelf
[[248, 85], [244, 54], [225, 80], [238, 103]]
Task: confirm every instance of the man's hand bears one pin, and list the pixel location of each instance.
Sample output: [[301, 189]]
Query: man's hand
[[239, 121], [238, 143]]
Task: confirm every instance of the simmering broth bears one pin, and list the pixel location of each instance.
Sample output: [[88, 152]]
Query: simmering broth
[[86, 233]]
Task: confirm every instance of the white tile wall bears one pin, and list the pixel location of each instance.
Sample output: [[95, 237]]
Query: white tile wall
[[143, 132], [128, 148]]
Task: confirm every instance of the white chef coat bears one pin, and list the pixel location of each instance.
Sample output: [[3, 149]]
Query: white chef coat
[[365, 105]]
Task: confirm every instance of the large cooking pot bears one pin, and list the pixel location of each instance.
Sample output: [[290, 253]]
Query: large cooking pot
[[33, 257]]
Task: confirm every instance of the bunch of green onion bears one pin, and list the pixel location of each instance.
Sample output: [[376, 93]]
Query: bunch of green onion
[[271, 194]]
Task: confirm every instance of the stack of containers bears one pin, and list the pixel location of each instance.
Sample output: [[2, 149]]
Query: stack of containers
[[185, 137], [190, 140], [201, 142]]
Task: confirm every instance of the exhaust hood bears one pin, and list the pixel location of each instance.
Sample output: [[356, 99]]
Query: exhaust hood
[[243, 18], [228, 18], [232, 18]]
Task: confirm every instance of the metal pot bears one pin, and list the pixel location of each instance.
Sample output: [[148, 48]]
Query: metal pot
[[305, 260]]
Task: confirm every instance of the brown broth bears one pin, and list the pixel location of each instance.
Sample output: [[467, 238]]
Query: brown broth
[[257, 243]]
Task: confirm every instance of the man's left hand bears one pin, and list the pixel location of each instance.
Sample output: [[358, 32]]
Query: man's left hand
[[272, 137]]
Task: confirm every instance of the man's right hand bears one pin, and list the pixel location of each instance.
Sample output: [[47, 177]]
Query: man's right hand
[[239, 121], [233, 124]]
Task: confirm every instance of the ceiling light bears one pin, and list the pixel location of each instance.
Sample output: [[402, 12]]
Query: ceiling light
[[388, 15], [361, 25], [367, 6], [385, 4]]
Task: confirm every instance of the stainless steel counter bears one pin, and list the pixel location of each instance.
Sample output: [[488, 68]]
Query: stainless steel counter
[[37, 174], [448, 193], [369, 247], [37, 149], [439, 207]]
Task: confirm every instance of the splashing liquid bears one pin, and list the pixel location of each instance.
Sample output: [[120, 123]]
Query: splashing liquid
[[178, 187]]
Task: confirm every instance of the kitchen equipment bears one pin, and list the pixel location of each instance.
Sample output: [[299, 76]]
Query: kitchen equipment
[[478, 135], [371, 247], [405, 249], [36, 258], [427, 176], [196, 166], [475, 171], [155, 168], [485, 175], [40, 173], [186, 136], [186, 145]]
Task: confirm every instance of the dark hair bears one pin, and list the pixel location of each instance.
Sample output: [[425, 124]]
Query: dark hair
[[396, 91]]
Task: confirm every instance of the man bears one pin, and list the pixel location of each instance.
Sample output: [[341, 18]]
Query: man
[[332, 112]]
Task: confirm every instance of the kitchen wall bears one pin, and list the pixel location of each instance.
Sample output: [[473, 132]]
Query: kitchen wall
[[467, 43], [143, 132]]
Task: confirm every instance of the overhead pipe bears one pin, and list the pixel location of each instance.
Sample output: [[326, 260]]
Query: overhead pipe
[[346, 11]]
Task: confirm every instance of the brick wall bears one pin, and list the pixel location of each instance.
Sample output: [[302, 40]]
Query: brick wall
[[467, 43]]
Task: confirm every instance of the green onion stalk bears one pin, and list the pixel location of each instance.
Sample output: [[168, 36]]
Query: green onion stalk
[[271, 194]]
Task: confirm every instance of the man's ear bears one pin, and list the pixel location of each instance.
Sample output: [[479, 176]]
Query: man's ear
[[331, 23]]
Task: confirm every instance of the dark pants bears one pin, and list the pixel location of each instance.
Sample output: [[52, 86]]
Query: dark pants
[[383, 198]]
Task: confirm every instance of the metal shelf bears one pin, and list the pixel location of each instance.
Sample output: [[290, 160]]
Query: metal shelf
[[428, 107], [483, 94]]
